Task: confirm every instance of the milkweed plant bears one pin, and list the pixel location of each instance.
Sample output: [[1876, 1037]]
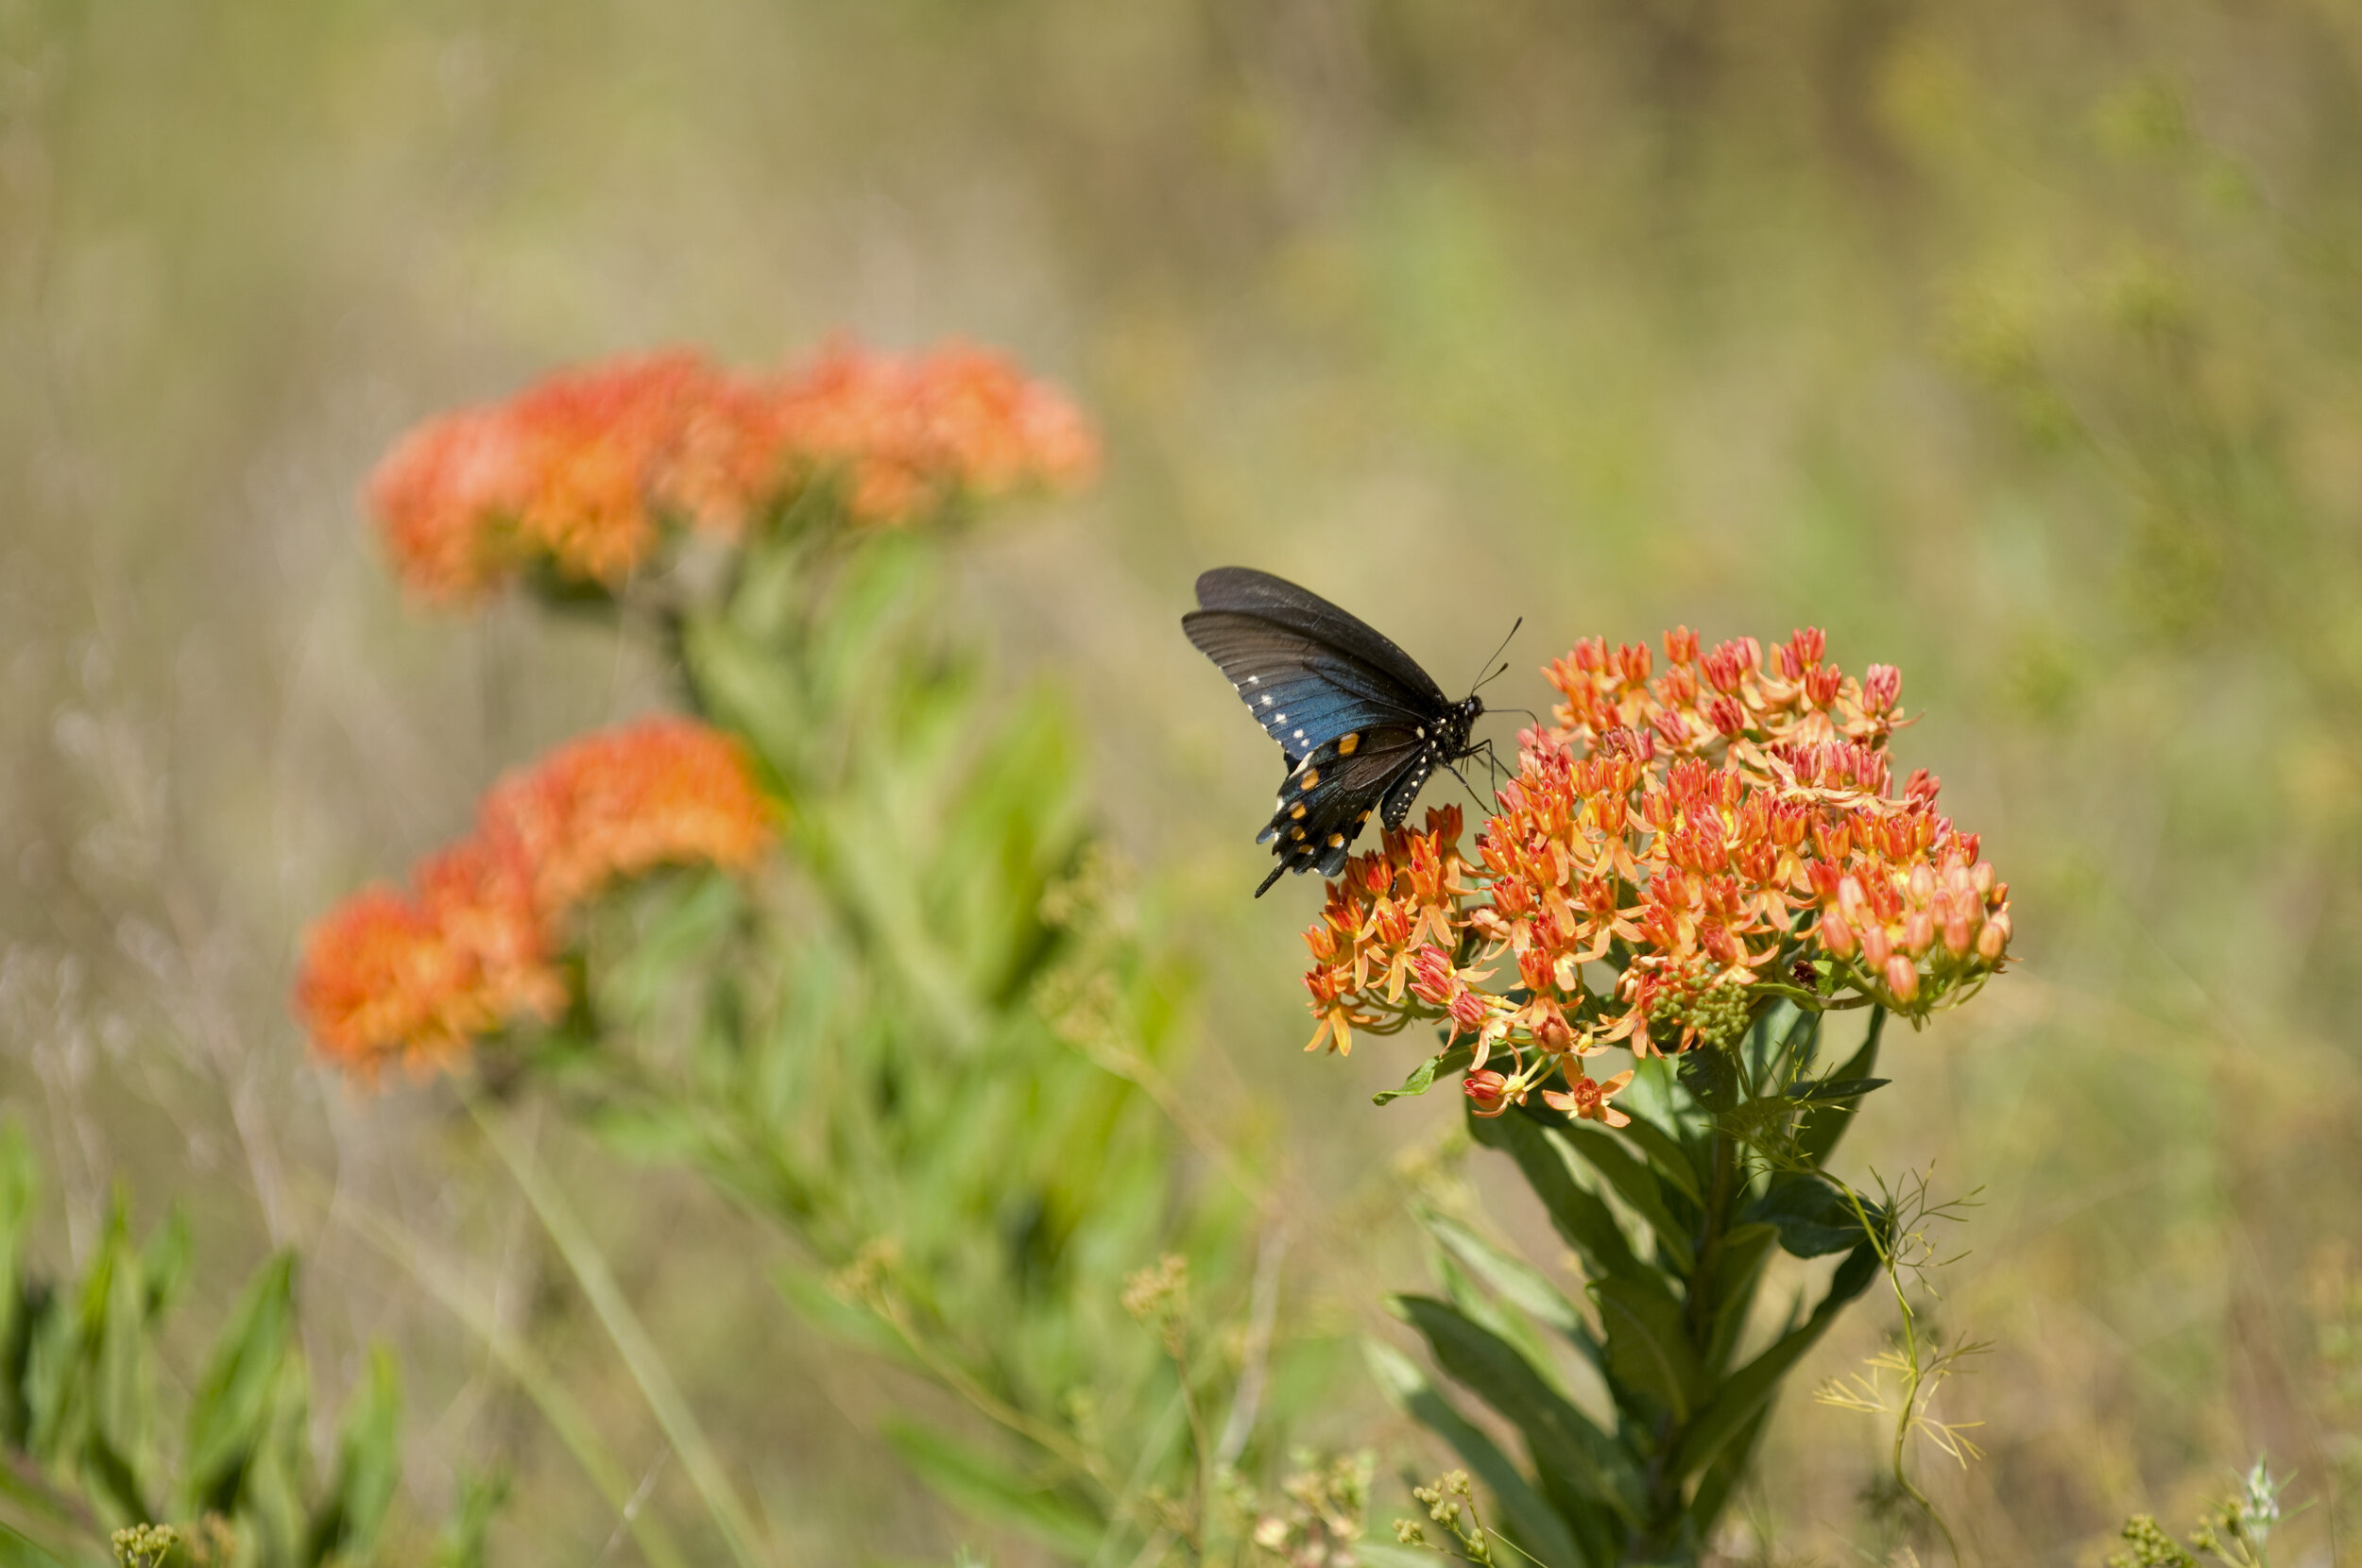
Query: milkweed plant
[[833, 935], [1697, 868]]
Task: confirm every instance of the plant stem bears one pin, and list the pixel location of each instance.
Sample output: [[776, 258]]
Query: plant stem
[[631, 1337], [531, 1374]]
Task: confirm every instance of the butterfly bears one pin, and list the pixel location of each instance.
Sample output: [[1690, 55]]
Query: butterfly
[[1359, 722]]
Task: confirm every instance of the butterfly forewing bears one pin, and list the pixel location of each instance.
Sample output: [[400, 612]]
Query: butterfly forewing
[[1300, 693], [1346, 638]]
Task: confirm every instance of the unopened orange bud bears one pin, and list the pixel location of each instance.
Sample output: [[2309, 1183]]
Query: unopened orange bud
[[1959, 932], [1995, 939], [1487, 1090], [1923, 883], [1980, 877], [1919, 932], [1852, 898], [1837, 936], [1724, 669], [1876, 947], [1902, 977]]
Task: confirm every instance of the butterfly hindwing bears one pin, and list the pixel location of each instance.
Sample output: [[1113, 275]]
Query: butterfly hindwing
[[1334, 791]]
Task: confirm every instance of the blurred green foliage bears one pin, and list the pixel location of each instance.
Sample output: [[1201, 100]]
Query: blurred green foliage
[[926, 1050], [102, 1432], [2017, 343]]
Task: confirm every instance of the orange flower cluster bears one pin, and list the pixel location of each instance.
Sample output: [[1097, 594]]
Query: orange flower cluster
[[473, 946], [1678, 850], [585, 471]]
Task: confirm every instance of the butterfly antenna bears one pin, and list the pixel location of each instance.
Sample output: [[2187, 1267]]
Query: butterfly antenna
[[1496, 653]]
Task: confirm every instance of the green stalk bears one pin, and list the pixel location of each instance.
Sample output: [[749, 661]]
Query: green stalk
[[631, 1339], [531, 1375]]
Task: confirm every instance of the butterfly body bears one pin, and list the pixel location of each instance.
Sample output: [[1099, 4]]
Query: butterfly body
[[1361, 726]]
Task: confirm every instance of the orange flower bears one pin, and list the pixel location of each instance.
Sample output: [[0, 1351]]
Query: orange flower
[[661, 792], [1672, 856], [586, 471], [1489, 1093], [387, 977], [907, 435], [1587, 1098], [569, 472]]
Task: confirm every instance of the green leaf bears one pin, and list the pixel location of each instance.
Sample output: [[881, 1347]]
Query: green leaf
[[1647, 1343], [1524, 1517], [742, 685], [17, 1551], [1581, 1216], [1813, 1218], [1711, 1077], [117, 1393], [165, 1264], [1724, 1475], [1378, 1553], [1636, 1181], [1836, 1088], [1736, 1273], [1745, 1393], [232, 1407], [19, 1186], [1567, 1446], [1666, 1154], [1826, 1122], [1423, 1076], [110, 1479], [464, 1534], [984, 1488], [368, 1466], [1518, 1282]]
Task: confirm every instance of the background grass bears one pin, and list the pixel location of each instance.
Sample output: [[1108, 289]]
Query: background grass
[[2015, 344]]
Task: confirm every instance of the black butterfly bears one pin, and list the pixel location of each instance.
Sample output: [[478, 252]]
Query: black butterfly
[[1362, 725]]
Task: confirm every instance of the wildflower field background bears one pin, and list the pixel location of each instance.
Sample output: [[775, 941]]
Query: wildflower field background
[[2016, 346]]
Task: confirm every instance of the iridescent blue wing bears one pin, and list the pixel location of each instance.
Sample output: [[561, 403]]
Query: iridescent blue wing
[[1302, 692]]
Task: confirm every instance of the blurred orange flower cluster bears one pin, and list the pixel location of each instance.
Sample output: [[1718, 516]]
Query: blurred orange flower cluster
[[585, 471], [415, 977], [1676, 851]]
